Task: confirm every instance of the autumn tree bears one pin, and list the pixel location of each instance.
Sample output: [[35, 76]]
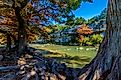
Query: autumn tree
[[24, 14]]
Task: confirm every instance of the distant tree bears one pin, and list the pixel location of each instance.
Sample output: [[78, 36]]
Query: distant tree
[[61, 27], [92, 20], [79, 21], [70, 21], [75, 21], [102, 15]]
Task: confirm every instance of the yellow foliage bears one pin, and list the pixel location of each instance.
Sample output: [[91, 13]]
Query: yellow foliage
[[2, 38]]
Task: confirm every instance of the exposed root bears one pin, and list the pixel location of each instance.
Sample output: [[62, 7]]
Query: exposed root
[[32, 66]]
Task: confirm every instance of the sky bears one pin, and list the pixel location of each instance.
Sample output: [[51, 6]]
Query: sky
[[88, 10]]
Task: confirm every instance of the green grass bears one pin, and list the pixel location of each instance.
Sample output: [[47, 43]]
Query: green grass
[[73, 56]]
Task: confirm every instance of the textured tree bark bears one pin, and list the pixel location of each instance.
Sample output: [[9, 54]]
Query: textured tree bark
[[106, 65], [8, 42]]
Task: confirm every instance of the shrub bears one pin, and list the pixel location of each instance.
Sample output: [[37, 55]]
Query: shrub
[[96, 39], [92, 40]]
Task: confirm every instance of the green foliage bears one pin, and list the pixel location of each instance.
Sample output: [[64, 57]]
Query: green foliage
[[86, 42], [79, 21], [70, 21], [92, 20], [96, 39], [92, 40], [61, 27], [75, 21], [74, 4], [64, 8]]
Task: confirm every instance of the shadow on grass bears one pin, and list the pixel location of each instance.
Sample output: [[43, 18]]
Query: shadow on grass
[[76, 58], [71, 61]]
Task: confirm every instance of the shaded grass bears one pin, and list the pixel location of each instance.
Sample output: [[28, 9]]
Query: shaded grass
[[71, 61]]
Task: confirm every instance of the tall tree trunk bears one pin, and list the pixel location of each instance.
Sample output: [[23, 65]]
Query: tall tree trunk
[[107, 64], [21, 43]]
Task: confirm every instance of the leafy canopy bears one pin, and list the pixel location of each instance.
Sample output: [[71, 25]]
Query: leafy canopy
[[36, 13]]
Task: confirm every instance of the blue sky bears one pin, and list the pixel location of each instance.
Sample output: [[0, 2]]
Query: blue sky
[[88, 10]]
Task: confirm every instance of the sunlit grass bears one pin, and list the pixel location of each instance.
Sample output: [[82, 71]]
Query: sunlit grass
[[73, 56]]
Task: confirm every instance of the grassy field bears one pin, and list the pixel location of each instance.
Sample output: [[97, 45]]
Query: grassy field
[[73, 56]]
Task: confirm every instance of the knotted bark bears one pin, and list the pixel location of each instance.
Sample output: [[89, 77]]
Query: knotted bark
[[106, 65]]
